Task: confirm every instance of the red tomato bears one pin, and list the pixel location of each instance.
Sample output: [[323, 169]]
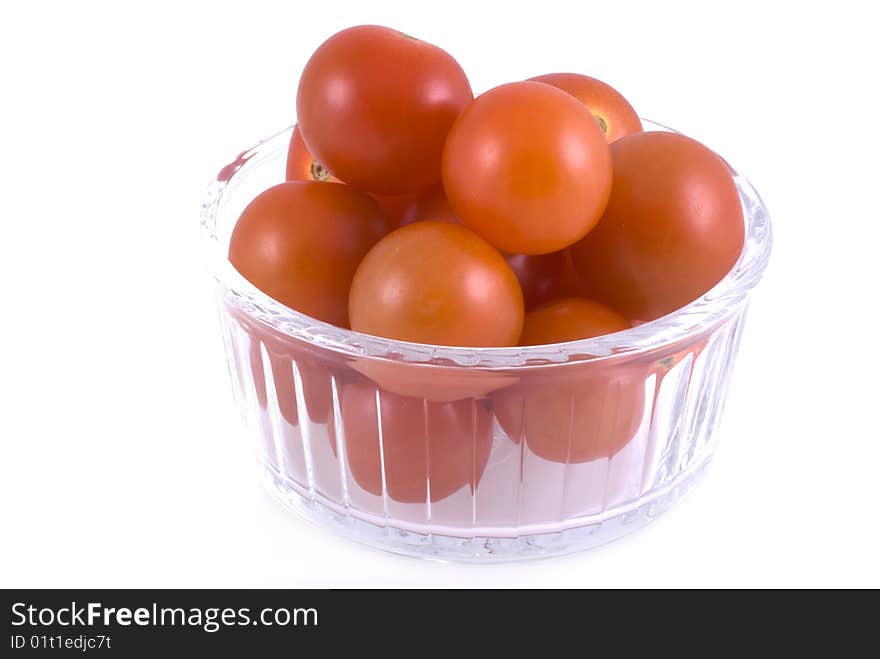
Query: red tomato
[[544, 277], [283, 352], [375, 106], [301, 165], [615, 115], [673, 227], [441, 445], [300, 242], [527, 167], [569, 320], [440, 384], [430, 205], [588, 414], [582, 411], [438, 283]]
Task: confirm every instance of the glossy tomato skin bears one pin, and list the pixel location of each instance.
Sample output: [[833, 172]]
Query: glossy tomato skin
[[527, 167], [576, 418], [615, 115], [673, 227], [375, 105], [301, 164], [581, 412], [544, 277], [444, 444], [570, 319], [438, 283], [300, 242]]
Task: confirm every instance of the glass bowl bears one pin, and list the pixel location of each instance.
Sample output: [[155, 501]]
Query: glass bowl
[[474, 454]]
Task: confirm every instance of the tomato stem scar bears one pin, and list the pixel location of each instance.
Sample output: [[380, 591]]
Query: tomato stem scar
[[318, 171]]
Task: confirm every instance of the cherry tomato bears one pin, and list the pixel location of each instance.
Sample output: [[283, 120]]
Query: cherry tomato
[[579, 417], [375, 105], [284, 351], [431, 205], [581, 412], [673, 227], [300, 242], [570, 319], [438, 283], [527, 167], [301, 165], [544, 277], [440, 384], [615, 115], [444, 446]]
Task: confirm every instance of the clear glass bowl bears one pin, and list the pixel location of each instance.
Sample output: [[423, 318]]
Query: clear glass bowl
[[474, 454]]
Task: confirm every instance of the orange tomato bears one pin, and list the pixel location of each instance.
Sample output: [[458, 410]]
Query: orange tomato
[[570, 319], [673, 227], [438, 283], [542, 277], [301, 164], [615, 115], [283, 353], [375, 105], [527, 167], [578, 412], [434, 382], [300, 242], [579, 417], [422, 445]]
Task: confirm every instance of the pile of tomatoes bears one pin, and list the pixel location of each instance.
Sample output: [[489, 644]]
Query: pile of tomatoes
[[537, 212]]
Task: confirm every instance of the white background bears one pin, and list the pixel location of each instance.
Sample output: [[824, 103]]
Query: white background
[[123, 462]]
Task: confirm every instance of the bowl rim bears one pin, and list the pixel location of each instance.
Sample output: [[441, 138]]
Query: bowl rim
[[718, 303]]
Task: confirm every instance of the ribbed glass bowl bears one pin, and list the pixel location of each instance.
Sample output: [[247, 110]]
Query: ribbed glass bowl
[[474, 454]]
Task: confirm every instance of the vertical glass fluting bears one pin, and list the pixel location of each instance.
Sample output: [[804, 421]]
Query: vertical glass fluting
[[544, 450], [471, 454]]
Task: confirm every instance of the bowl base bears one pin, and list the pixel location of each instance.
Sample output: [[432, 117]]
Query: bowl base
[[612, 524]]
